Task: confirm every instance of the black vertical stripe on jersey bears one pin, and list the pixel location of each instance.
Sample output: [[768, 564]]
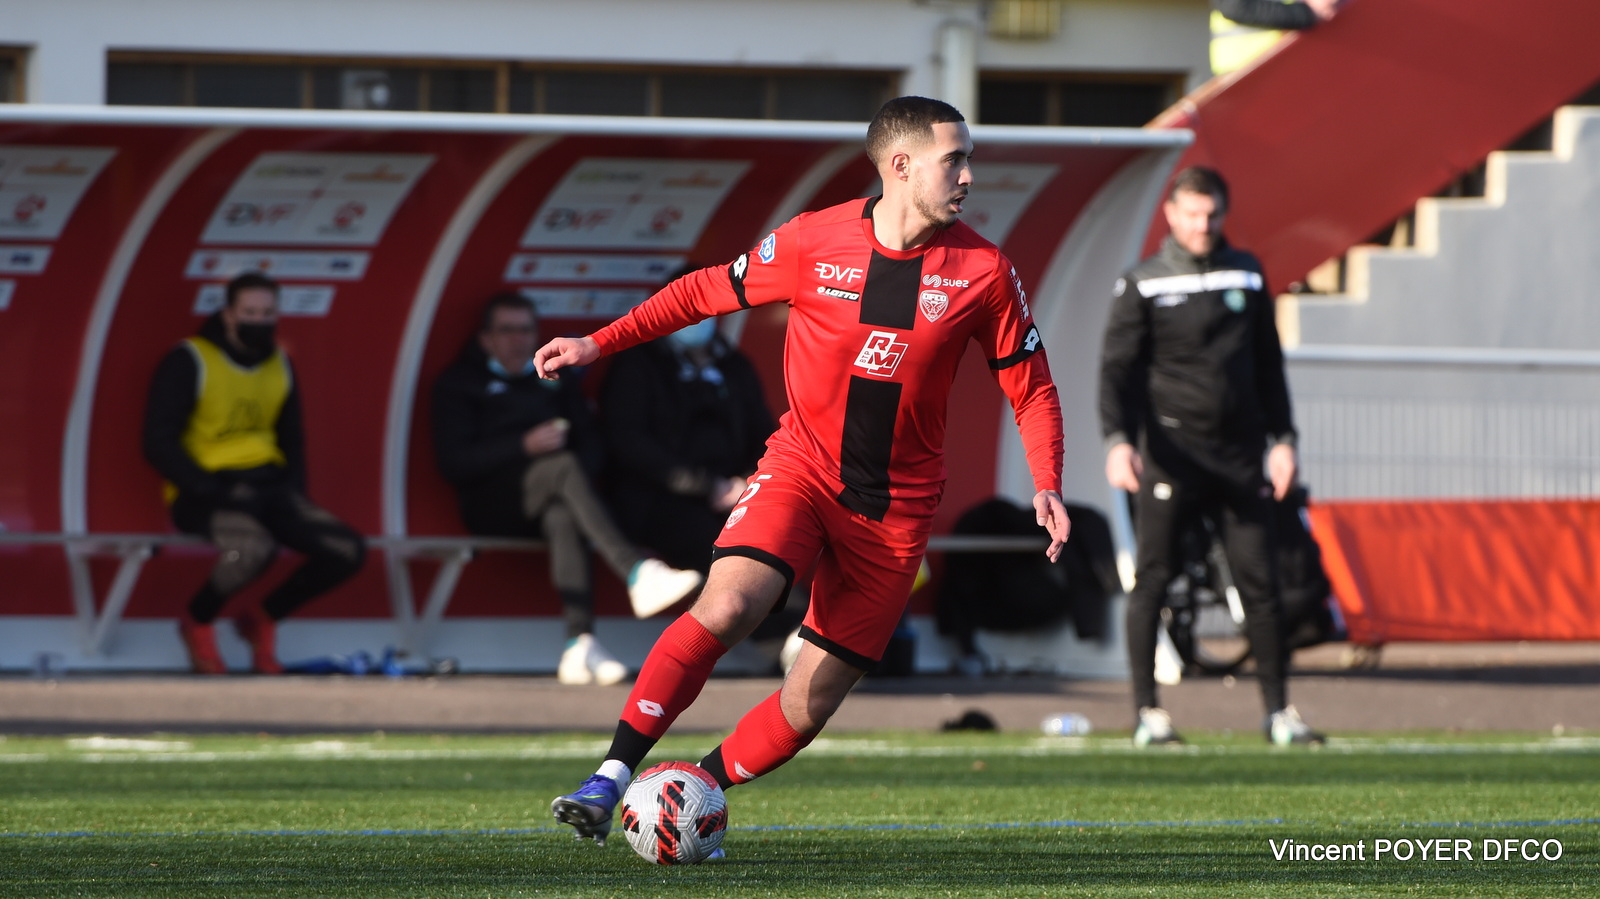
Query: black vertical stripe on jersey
[[888, 300], [869, 416], [889, 297]]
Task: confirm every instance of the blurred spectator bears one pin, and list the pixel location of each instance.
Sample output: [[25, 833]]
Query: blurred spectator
[[520, 452], [1241, 30], [685, 425], [223, 427]]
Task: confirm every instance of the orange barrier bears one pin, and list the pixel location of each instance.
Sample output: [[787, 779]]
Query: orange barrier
[[1338, 130], [1455, 570]]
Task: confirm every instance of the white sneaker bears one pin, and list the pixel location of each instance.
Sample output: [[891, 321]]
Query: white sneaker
[[587, 662], [604, 666], [1155, 728], [1286, 728], [654, 586], [791, 650]]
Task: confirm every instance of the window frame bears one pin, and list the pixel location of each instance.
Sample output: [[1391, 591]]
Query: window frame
[[505, 71], [1174, 81]]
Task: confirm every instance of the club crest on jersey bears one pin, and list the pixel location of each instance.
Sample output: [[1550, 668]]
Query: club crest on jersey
[[769, 248], [881, 354], [1235, 299], [736, 517], [933, 304]]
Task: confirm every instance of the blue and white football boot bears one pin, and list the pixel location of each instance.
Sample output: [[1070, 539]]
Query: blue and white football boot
[[588, 809]]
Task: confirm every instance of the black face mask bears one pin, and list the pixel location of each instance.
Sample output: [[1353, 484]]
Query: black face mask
[[255, 336]]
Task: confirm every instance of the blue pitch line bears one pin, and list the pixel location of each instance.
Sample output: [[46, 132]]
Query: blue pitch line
[[769, 828]]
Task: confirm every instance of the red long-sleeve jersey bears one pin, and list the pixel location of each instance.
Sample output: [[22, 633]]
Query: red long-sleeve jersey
[[874, 339]]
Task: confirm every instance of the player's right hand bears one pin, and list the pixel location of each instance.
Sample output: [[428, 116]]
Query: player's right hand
[[1124, 467], [564, 352]]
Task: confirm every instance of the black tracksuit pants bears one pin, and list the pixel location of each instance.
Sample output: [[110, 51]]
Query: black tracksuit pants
[[259, 512], [1227, 483]]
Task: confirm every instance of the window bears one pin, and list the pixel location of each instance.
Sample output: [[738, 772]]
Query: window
[[155, 79], [1126, 100], [11, 68], [737, 94]]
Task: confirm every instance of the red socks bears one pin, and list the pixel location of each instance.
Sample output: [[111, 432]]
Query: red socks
[[672, 676], [761, 742]]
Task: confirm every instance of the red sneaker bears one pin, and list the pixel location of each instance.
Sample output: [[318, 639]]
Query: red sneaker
[[201, 642], [259, 630]]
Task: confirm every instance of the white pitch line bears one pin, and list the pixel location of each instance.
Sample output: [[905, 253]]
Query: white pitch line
[[112, 750]]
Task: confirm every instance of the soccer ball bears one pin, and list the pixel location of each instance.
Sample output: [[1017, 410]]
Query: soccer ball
[[674, 814]]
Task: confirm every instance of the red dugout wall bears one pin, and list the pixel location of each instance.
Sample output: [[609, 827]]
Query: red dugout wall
[[388, 232]]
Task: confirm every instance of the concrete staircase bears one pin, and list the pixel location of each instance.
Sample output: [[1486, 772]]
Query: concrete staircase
[[1516, 268], [1465, 365]]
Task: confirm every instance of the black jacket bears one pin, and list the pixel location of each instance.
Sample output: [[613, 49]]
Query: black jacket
[[1192, 346], [172, 400], [1267, 14], [479, 418], [670, 428]]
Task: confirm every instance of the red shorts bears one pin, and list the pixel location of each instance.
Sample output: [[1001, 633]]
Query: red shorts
[[864, 569]]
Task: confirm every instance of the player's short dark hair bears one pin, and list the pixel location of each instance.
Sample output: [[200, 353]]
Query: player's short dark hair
[[908, 119], [249, 281], [1197, 179], [507, 300]]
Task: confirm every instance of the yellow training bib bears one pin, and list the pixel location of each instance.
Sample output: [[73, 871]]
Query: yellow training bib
[[1233, 46], [234, 422]]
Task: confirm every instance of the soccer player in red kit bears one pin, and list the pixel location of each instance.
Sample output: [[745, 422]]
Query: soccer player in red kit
[[884, 293]]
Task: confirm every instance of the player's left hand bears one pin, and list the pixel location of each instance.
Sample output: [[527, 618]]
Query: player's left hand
[[1281, 469], [1051, 514]]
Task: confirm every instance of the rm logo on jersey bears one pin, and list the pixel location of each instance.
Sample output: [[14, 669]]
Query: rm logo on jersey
[[769, 248], [933, 303], [882, 354]]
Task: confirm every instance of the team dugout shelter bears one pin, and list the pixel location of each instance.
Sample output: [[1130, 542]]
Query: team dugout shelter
[[120, 226]]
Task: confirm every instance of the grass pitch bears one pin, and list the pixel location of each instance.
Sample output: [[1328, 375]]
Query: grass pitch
[[892, 814]]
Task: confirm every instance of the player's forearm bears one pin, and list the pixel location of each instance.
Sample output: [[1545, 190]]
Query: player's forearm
[[1039, 422], [696, 296]]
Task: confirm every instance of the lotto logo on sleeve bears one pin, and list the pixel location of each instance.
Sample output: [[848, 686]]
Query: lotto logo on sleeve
[[882, 354]]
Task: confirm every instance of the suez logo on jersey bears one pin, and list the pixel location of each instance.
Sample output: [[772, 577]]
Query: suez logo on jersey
[[940, 281]]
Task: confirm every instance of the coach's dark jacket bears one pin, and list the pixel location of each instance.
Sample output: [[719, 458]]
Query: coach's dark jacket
[[1192, 348]]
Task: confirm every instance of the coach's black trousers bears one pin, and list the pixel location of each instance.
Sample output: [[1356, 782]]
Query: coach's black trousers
[[1228, 484]]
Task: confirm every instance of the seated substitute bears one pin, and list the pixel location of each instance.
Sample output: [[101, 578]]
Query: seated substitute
[[520, 452], [223, 427], [685, 424]]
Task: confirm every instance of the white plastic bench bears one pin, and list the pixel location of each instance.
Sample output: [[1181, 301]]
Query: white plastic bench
[[99, 620]]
